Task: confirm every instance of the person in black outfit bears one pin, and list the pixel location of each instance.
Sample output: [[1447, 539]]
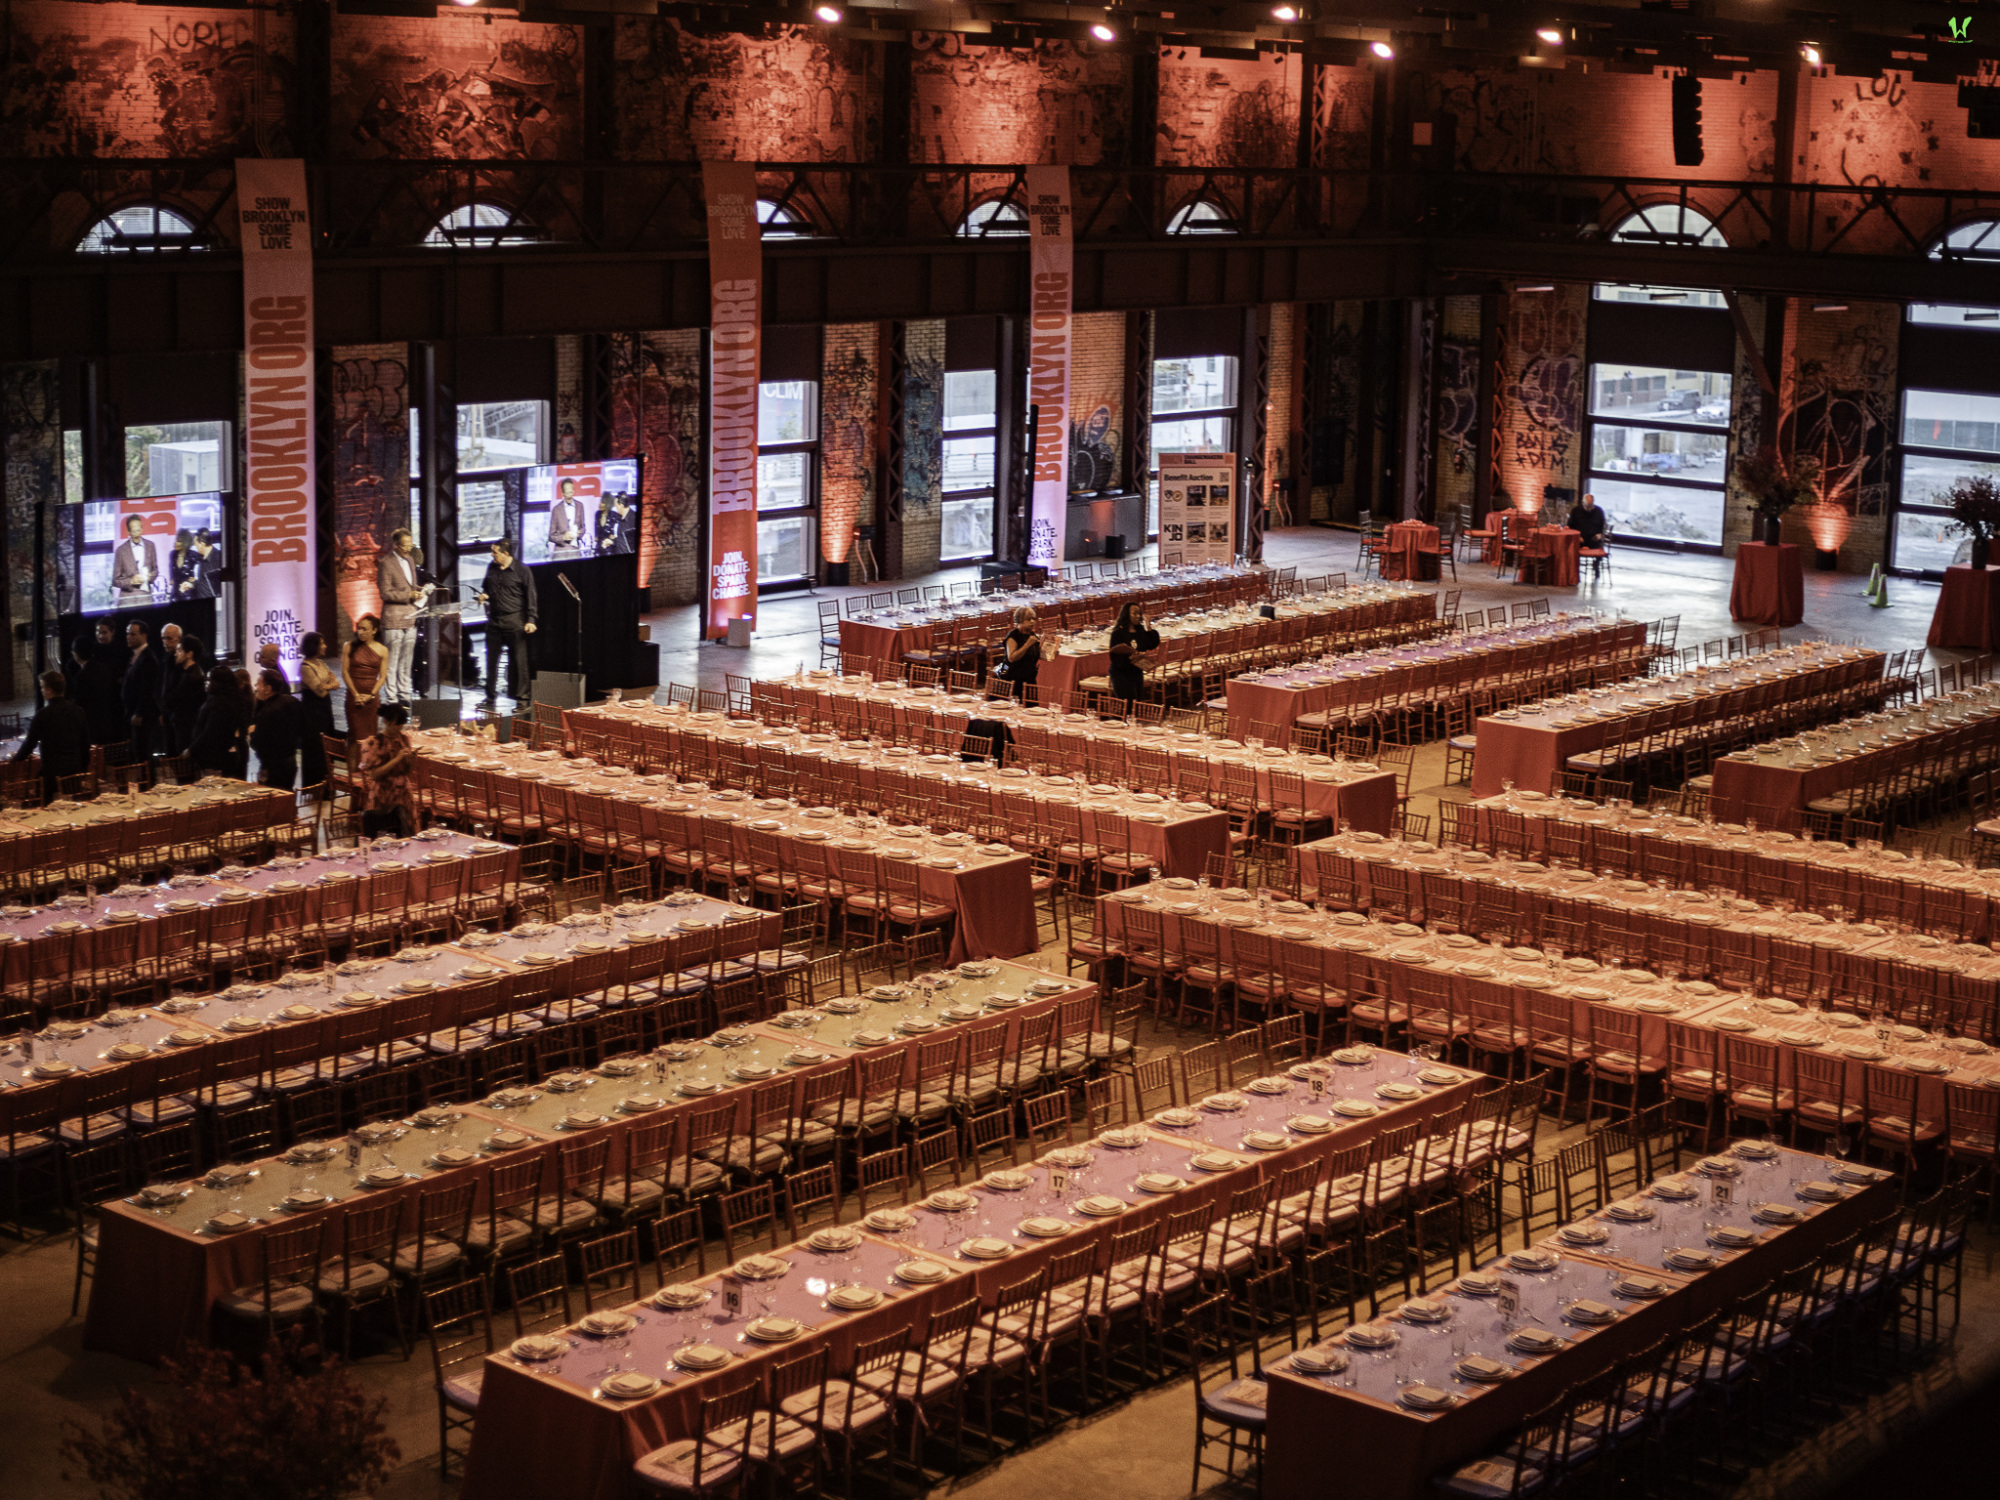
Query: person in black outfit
[[315, 707], [1130, 636], [60, 732], [1023, 651], [217, 742], [94, 676], [275, 731], [139, 692], [182, 690], [1587, 521], [508, 592], [616, 521]]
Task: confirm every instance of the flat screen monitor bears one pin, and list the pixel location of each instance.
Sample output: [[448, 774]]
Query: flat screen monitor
[[145, 553], [562, 512]]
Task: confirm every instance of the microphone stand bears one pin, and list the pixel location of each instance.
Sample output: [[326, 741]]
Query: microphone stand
[[570, 589]]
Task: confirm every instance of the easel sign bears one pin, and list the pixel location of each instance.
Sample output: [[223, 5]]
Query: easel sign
[[1198, 506]]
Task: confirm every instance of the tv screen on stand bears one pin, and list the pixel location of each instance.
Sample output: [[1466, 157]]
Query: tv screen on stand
[[564, 512], [142, 554]]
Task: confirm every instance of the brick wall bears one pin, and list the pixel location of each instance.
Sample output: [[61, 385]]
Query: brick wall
[[1278, 424], [1541, 395], [567, 415], [1838, 403], [1052, 102], [1227, 112], [1889, 129], [656, 412], [784, 93], [32, 451], [849, 372], [94, 80], [1455, 406], [370, 443], [923, 445], [1096, 400], [456, 85]]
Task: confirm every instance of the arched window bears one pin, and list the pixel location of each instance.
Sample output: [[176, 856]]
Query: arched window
[[1969, 243], [781, 223], [144, 229], [1202, 216], [1666, 224], [482, 226], [996, 218]]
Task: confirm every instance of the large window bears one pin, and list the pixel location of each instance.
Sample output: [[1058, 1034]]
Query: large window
[[1665, 224], [482, 226], [145, 229], [1969, 243], [1658, 446], [1194, 411], [787, 480], [1947, 436], [492, 435], [181, 458], [971, 438]]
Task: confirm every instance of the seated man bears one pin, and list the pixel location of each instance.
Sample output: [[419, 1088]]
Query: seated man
[[1587, 521]]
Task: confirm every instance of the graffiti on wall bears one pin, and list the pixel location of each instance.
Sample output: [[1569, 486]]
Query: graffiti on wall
[[847, 436], [1458, 403], [1544, 388], [790, 93], [370, 417], [1842, 412], [31, 420], [1223, 113], [656, 412], [1335, 412], [1504, 125], [1051, 101], [1346, 103], [457, 87], [121, 80], [1093, 451], [923, 416], [1873, 134]]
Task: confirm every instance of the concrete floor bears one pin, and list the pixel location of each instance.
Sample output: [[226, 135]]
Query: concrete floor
[[1911, 1433]]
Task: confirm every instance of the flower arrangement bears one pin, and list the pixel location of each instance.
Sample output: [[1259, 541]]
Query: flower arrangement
[[1774, 483], [1975, 507], [293, 1425]]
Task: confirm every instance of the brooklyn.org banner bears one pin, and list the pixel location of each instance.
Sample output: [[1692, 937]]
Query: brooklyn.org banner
[[1050, 257], [735, 324], [279, 574]]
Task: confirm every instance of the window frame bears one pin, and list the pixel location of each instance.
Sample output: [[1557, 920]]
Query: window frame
[[809, 512], [1901, 451], [990, 493], [1231, 415], [1589, 474]]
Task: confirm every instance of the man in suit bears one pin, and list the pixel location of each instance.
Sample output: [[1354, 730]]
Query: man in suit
[[198, 581], [402, 597], [135, 567], [183, 686], [615, 524], [140, 691], [508, 592], [60, 732], [566, 519]]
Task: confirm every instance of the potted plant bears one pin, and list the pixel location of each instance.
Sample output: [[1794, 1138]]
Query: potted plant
[[292, 1426], [1975, 512], [1775, 484]]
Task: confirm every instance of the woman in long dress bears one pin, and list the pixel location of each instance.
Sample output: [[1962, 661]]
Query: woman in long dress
[[317, 680], [363, 661]]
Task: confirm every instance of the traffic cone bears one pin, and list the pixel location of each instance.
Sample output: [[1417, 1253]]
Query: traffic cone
[[1881, 599], [1874, 581]]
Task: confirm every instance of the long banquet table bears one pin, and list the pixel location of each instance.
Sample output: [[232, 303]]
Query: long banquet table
[[1529, 746], [1358, 791], [77, 934], [1785, 776], [546, 1429], [1321, 1425], [889, 635], [160, 1271], [144, 826], [1439, 668]]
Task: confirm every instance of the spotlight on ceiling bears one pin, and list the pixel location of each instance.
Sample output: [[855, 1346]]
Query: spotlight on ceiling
[[1382, 49], [1811, 54], [1285, 13], [832, 15], [1103, 32], [1551, 35], [1829, 307], [1536, 286]]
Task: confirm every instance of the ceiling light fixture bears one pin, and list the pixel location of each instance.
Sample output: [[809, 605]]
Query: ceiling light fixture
[[1103, 32], [1285, 13], [1538, 286], [1811, 54], [1382, 49], [832, 15], [1550, 35], [1829, 307]]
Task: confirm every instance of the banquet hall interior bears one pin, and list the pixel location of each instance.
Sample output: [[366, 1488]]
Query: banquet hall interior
[[877, 749]]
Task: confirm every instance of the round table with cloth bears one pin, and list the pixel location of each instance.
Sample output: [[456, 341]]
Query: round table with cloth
[[1770, 586], [1550, 556], [1409, 550], [1968, 609]]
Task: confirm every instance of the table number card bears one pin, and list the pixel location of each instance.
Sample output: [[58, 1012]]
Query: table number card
[[1721, 1192], [1058, 1181], [1509, 1301], [1318, 1086], [732, 1301]]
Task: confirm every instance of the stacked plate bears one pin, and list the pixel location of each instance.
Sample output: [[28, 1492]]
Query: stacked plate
[[985, 1247], [921, 1272], [679, 1296], [696, 1358], [1534, 1341]]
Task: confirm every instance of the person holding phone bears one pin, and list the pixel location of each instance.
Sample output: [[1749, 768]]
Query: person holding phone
[[1023, 651], [1131, 637]]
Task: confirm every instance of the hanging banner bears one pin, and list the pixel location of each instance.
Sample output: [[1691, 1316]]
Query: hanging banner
[[735, 333], [1197, 507], [279, 571], [1050, 256]]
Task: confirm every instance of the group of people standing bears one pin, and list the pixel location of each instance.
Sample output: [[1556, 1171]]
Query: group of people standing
[[1131, 637]]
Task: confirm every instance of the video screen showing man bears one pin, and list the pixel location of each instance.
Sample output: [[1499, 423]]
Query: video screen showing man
[[135, 567], [566, 519], [192, 568], [617, 525]]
